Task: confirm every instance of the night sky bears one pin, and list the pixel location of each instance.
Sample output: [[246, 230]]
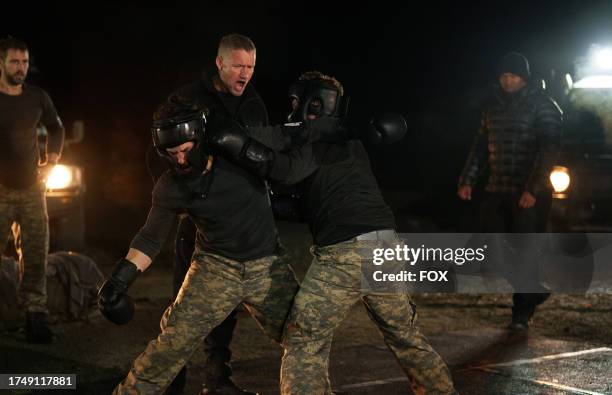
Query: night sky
[[112, 65]]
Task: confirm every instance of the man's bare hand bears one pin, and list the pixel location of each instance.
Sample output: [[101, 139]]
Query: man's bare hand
[[527, 200], [465, 192]]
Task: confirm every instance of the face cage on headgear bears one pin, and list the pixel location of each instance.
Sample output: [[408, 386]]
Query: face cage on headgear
[[331, 103], [172, 132]]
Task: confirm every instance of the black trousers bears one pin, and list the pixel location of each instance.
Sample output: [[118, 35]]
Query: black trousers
[[501, 214], [216, 345]]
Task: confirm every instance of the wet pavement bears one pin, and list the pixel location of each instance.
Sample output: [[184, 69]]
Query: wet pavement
[[568, 350], [484, 360]]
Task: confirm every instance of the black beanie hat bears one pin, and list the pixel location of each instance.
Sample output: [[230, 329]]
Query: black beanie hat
[[514, 63]]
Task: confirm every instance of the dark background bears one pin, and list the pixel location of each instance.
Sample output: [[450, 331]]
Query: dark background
[[111, 65]]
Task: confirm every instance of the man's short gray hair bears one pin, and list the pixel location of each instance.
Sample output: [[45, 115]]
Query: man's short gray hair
[[232, 42]]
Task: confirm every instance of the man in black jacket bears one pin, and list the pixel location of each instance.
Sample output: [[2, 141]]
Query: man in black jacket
[[225, 93], [518, 141], [226, 96]]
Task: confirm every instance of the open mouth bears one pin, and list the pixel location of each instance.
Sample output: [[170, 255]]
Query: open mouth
[[241, 84], [313, 112]]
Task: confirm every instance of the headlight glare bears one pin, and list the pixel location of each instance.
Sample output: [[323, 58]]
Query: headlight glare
[[60, 177], [560, 178]]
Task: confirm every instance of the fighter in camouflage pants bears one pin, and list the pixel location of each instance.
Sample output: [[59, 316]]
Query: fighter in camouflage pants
[[28, 209], [329, 290], [212, 289]]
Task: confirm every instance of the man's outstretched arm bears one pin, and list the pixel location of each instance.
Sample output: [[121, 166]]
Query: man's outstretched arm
[[287, 167]]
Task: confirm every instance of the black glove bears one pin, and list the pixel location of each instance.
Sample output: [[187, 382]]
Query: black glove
[[231, 141], [386, 128], [113, 301]]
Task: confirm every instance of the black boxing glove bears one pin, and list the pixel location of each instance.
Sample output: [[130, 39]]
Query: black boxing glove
[[231, 141], [387, 128], [113, 301]]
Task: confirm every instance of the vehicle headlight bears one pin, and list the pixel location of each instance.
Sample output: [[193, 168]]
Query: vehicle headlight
[[597, 72], [560, 178], [595, 82], [601, 57], [64, 177]]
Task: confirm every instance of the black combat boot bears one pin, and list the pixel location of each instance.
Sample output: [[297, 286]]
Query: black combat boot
[[222, 386], [517, 326], [37, 328], [523, 309]]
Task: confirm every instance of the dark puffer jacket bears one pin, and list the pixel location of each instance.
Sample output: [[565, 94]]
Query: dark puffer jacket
[[518, 140]]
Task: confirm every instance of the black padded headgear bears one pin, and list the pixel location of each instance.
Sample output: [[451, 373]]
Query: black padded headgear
[[174, 131], [326, 90], [171, 132]]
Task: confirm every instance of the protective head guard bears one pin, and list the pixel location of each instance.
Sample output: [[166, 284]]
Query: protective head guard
[[174, 131], [316, 94]]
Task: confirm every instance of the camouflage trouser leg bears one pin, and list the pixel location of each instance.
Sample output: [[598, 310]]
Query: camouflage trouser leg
[[217, 343], [330, 288], [270, 287], [395, 315], [213, 287], [8, 214], [323, 301], [27, 209]]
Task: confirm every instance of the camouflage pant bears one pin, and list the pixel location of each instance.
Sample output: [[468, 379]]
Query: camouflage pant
[[25, 210], [213, 287], [329, 290]]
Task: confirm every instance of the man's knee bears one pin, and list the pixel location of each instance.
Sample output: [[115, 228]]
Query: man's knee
[[307, 337]]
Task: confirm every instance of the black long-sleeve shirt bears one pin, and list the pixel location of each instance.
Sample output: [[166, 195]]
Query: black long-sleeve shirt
[[19, 117], [340, 195], [342, 199], [234, 220]]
